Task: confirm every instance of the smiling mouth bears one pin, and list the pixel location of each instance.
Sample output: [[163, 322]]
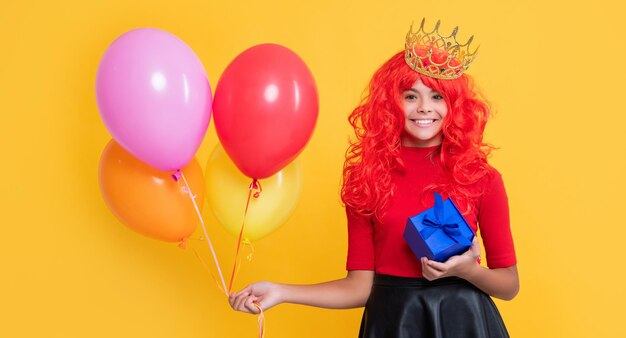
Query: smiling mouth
[[424, 122]]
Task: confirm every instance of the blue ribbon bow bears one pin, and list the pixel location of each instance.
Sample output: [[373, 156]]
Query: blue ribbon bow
[[440, 222]]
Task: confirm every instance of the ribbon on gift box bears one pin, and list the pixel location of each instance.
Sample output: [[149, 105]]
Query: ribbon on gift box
[[440, 222]]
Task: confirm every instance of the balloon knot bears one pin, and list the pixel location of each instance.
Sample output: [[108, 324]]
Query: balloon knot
[[183, 244], [256, 185], [176, 175]]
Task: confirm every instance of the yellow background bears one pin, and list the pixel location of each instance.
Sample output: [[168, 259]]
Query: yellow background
[[553, 72]]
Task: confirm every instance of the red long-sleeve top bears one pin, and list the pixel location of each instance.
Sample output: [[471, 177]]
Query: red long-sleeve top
[[379, 245]]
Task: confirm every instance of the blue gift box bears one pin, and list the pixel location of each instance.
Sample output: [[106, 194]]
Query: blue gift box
[[439, 232]]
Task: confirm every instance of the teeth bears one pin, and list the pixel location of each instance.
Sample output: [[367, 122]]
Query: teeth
[[424, 122]]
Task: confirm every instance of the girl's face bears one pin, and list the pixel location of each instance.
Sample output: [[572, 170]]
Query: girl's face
[[424, 111]]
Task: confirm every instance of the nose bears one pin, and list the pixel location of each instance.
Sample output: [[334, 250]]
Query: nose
[[424, 106]]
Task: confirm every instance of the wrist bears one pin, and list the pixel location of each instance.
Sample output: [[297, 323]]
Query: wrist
[[472, 271], [282, 293]]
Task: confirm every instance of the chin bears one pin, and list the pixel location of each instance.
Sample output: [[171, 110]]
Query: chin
[[421, 140]]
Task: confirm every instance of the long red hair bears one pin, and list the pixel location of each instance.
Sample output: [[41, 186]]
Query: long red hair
[[378, 124]]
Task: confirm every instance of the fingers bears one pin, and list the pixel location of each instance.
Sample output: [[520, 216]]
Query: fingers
[[432, 270], [245, 299], [263, 294], [244, 302], [249, 304], [237, 299], [441, 267], [475, 248], [234, 295], [475, 241]]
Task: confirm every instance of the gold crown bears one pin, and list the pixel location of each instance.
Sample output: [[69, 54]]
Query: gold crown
[[435, 55]]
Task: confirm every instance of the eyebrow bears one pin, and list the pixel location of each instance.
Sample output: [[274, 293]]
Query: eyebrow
[[432, 91]]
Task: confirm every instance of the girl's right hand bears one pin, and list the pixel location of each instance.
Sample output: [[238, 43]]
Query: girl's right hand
[[265, 294]]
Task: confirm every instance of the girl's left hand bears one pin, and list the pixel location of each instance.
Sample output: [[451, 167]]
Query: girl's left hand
[[459, 265]]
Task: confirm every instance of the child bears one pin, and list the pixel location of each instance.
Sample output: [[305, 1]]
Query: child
[[418, 131]]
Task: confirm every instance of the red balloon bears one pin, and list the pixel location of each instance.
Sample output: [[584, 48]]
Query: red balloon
[[265, 108]]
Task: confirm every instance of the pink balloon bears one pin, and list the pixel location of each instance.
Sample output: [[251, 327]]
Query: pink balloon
[[154, 97], [265, 107]]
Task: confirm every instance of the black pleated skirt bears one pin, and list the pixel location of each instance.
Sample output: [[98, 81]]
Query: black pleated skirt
[[400, 307]]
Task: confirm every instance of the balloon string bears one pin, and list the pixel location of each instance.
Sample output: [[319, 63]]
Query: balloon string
[[206, 267], [255, 185], [245, 241], [261, 320], [206, 235]]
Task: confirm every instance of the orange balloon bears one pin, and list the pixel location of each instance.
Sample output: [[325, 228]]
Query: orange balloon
[[148, 200]]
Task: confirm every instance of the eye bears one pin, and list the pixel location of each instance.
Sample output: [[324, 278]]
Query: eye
[[438, 97], [410, 97]]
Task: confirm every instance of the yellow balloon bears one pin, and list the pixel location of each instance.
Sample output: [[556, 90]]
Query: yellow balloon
[[227, 191]]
